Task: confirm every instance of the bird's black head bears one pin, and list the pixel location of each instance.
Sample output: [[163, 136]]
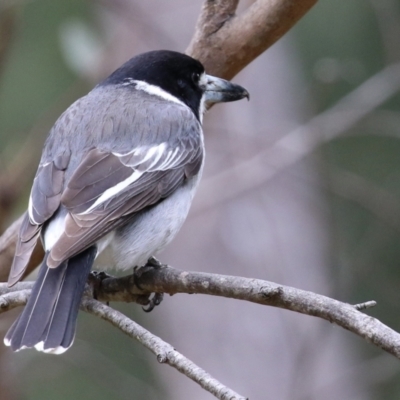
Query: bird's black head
[[179, 75], [176, 73]]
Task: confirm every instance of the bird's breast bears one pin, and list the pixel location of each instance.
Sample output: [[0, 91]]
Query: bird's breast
[[153, 229]]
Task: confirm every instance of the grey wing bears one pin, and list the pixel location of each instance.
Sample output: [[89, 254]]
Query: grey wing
[[44, 201], [107, 188]]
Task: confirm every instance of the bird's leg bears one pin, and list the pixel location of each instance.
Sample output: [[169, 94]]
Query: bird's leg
[[94, 280], [152, 263], [157, 298]]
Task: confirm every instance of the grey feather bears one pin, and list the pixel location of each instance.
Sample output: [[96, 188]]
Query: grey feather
[[44, 201], [100, 141], [27, 238], [51, 318]]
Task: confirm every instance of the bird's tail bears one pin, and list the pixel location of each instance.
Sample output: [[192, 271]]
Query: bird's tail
[[48, 321]]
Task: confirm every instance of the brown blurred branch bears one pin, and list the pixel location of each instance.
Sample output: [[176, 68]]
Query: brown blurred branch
[[225, 42], [169, 280]]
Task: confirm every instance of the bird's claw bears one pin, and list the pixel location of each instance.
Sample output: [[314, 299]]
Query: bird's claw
[[154, 302], [157, 298]]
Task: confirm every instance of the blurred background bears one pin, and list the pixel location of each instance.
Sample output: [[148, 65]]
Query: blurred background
[[301, 187]]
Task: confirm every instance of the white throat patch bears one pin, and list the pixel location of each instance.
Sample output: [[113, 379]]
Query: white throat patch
[[202, 83]]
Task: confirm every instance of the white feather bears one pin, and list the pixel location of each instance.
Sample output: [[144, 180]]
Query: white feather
[[148, 152], [30, 206], [55, 350], [53, 231], [154, 154], [160, 152], [168, 160], [30, 211], [114, 190], [156, 91]]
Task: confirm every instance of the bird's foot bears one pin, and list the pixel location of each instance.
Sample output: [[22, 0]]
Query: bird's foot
[[156, 298]]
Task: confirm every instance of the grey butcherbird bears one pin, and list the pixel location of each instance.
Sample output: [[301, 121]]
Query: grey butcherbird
[[120, 166]]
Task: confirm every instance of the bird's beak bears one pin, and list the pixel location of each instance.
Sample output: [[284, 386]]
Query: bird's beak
[[217, 90]]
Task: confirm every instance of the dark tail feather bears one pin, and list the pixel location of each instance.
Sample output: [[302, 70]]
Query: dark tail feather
[[28, 329], [61, 329], [49, 319]]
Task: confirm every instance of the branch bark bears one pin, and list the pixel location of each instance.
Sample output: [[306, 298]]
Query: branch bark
[[225, 42], [172, 281]]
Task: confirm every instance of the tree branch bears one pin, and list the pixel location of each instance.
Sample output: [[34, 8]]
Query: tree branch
[[226, 43], [169, 280], [17, 298]]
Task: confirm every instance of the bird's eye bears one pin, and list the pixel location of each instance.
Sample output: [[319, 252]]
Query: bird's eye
[[195, 77]]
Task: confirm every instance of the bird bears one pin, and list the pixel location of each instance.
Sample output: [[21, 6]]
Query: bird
[[119, 168]]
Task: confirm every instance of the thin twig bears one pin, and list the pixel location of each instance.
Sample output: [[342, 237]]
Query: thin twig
[[165, 352], [365, 306]]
